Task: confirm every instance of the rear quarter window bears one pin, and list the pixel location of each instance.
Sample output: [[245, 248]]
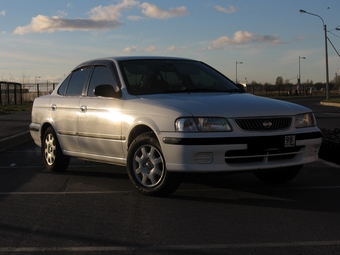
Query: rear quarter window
[[63, 86]]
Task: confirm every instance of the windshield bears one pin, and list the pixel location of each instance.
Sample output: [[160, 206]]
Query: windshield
[[173, 76]]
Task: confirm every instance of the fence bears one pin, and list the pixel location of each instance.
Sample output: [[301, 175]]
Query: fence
[[269, 90], [17, 93]]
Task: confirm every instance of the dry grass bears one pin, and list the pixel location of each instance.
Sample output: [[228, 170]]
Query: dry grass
[[7, 109]]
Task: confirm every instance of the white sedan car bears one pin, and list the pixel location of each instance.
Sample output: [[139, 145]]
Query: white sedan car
[[163, 116]]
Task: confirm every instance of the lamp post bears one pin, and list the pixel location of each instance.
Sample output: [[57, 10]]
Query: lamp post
[[35, 80], [326, 51], [299, 80], [236, 69]]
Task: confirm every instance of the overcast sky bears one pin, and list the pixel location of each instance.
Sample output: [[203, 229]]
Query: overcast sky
[[41, 38]]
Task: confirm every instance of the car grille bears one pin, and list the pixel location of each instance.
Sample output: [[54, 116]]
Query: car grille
[[264, 124]]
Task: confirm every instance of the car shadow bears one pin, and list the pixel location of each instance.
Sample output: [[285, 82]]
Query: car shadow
[[317, 192]]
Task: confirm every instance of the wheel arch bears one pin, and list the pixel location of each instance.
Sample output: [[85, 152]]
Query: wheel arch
[[136, 131], [45, 126]]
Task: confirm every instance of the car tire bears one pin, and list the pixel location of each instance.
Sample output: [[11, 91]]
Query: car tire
[[146, 167], [53, 156], [281, 175]]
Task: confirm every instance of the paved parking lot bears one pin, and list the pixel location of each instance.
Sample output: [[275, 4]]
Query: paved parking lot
[[94, 209]]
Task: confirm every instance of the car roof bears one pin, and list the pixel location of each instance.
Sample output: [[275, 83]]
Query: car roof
[[123, 58]]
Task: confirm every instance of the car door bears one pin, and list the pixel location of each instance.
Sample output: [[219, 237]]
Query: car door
[[99, 122], [65, 109]]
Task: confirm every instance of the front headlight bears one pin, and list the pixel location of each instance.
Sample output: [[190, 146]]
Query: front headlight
[[209, 124], [305, 120]]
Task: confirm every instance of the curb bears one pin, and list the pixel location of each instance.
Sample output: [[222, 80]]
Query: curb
[[331, 164], [15, 140], [330, 104]]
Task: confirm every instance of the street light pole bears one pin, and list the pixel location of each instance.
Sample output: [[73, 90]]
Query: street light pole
[[326, 53], [299, 81], [236, 69], [326, 50], [35, 80]]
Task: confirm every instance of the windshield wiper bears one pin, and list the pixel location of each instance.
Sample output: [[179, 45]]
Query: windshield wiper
[[202, 90], [234, 90]]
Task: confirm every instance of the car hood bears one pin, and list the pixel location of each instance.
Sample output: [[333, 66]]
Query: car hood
[[225, 104]]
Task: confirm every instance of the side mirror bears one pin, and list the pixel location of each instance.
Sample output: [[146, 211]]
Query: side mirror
[[241, 87], [105, 90]]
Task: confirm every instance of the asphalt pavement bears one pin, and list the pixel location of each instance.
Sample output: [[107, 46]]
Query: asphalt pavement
[[14, 129], [94, 209]]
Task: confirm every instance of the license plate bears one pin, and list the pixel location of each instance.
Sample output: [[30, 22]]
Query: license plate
[[289, 140]]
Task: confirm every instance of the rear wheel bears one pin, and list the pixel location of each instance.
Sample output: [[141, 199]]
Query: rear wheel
[[54, 158], [146, 167], [280, 175]]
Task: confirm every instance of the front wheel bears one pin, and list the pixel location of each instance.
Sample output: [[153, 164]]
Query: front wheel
[[146, 167], [281, 175], [54, 158]]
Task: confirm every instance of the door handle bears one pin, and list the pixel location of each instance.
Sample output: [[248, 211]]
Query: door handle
[[83, 108], [54, 107]]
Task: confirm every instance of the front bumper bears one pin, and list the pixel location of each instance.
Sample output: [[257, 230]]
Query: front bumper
[[224, 154]]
